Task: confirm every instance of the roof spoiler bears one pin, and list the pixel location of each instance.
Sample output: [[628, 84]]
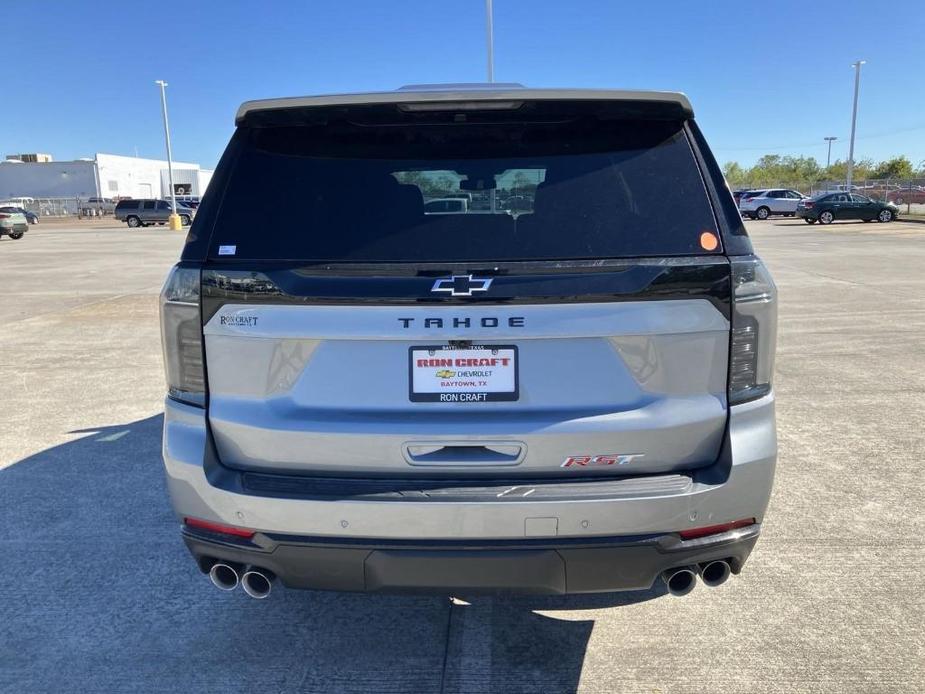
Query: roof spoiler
[[451, 97]]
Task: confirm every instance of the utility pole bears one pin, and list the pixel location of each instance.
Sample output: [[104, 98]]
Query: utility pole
[[491, 41], [828, 159], [174, 217], [96, 184], [854, 119], [489, 26]]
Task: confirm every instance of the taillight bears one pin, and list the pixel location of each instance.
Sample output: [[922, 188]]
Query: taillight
[[754, 330], [181, 336], [4, 216]]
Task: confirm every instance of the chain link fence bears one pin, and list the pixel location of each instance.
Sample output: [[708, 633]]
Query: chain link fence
[[63, 207]]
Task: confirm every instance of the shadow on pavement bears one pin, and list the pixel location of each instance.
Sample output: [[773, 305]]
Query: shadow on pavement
[[100, 594]]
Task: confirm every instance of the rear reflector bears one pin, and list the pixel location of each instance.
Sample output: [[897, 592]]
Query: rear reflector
[[694, 533], [218, 527]]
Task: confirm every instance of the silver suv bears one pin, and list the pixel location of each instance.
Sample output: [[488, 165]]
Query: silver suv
[[573, 398], [761, 204]]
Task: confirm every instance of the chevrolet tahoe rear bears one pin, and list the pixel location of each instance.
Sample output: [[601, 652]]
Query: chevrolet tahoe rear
[[571, 394]]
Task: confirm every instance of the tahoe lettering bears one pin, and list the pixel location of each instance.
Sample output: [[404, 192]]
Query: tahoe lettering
[[484, 322]]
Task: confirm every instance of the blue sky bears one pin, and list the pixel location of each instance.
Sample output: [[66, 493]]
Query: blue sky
[[763, 77]]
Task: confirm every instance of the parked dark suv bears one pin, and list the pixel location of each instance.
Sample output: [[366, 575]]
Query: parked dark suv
[[141, 213], [573, 397]]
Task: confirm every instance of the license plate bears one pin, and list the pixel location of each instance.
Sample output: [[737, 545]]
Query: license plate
[[478, 373]]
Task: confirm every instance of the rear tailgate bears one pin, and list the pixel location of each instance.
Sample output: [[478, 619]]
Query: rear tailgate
[[583, 331]]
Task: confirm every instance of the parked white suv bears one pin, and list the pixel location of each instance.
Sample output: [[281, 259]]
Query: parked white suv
[[763, 203]]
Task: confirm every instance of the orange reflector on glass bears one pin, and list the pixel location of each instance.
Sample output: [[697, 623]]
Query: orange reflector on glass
[[708, 241]]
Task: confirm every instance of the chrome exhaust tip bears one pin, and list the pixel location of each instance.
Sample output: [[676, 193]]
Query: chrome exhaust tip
[[224, 576], [715, 573], [257, 583], [680, 580]]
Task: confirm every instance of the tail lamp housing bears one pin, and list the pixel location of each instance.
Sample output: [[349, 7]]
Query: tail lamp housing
[[754, 330], [181, 336]]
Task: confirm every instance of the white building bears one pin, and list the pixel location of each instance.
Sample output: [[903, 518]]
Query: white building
[[106, 176]]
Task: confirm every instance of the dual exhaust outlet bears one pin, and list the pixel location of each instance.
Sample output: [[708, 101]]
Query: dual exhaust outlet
[[258, 582], [255, 581], [681, 580]]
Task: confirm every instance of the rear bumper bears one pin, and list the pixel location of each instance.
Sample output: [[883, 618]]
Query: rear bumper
[[583, 565], [607, 535]]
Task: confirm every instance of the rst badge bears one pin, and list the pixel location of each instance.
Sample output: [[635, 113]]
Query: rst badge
[[601, 460]]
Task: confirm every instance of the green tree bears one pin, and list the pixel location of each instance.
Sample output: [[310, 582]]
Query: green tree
[[433, 184], [838, 170], [897, 167], [775, 170], [734, 173], [804, 173], [521, 183]]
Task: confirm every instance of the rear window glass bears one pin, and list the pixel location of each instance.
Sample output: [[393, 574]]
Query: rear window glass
[[566, 190]]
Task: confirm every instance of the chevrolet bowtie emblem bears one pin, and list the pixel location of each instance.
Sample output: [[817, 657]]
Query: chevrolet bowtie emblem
[[462, 285]]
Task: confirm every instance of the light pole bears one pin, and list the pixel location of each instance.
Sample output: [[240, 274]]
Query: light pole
[[489, 27], [174, 218], [491, 41], [828, 159], [96, 184], [854, 118]]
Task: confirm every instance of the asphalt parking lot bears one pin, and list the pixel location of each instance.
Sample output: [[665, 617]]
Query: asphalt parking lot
[[99, 594]]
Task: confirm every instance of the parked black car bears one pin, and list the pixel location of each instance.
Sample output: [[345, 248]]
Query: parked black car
[[827, 207]]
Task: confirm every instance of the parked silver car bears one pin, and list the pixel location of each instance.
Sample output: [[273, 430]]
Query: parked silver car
[[372, 398], [13, 224], [774, 201], [140, 213], [31, 217]]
